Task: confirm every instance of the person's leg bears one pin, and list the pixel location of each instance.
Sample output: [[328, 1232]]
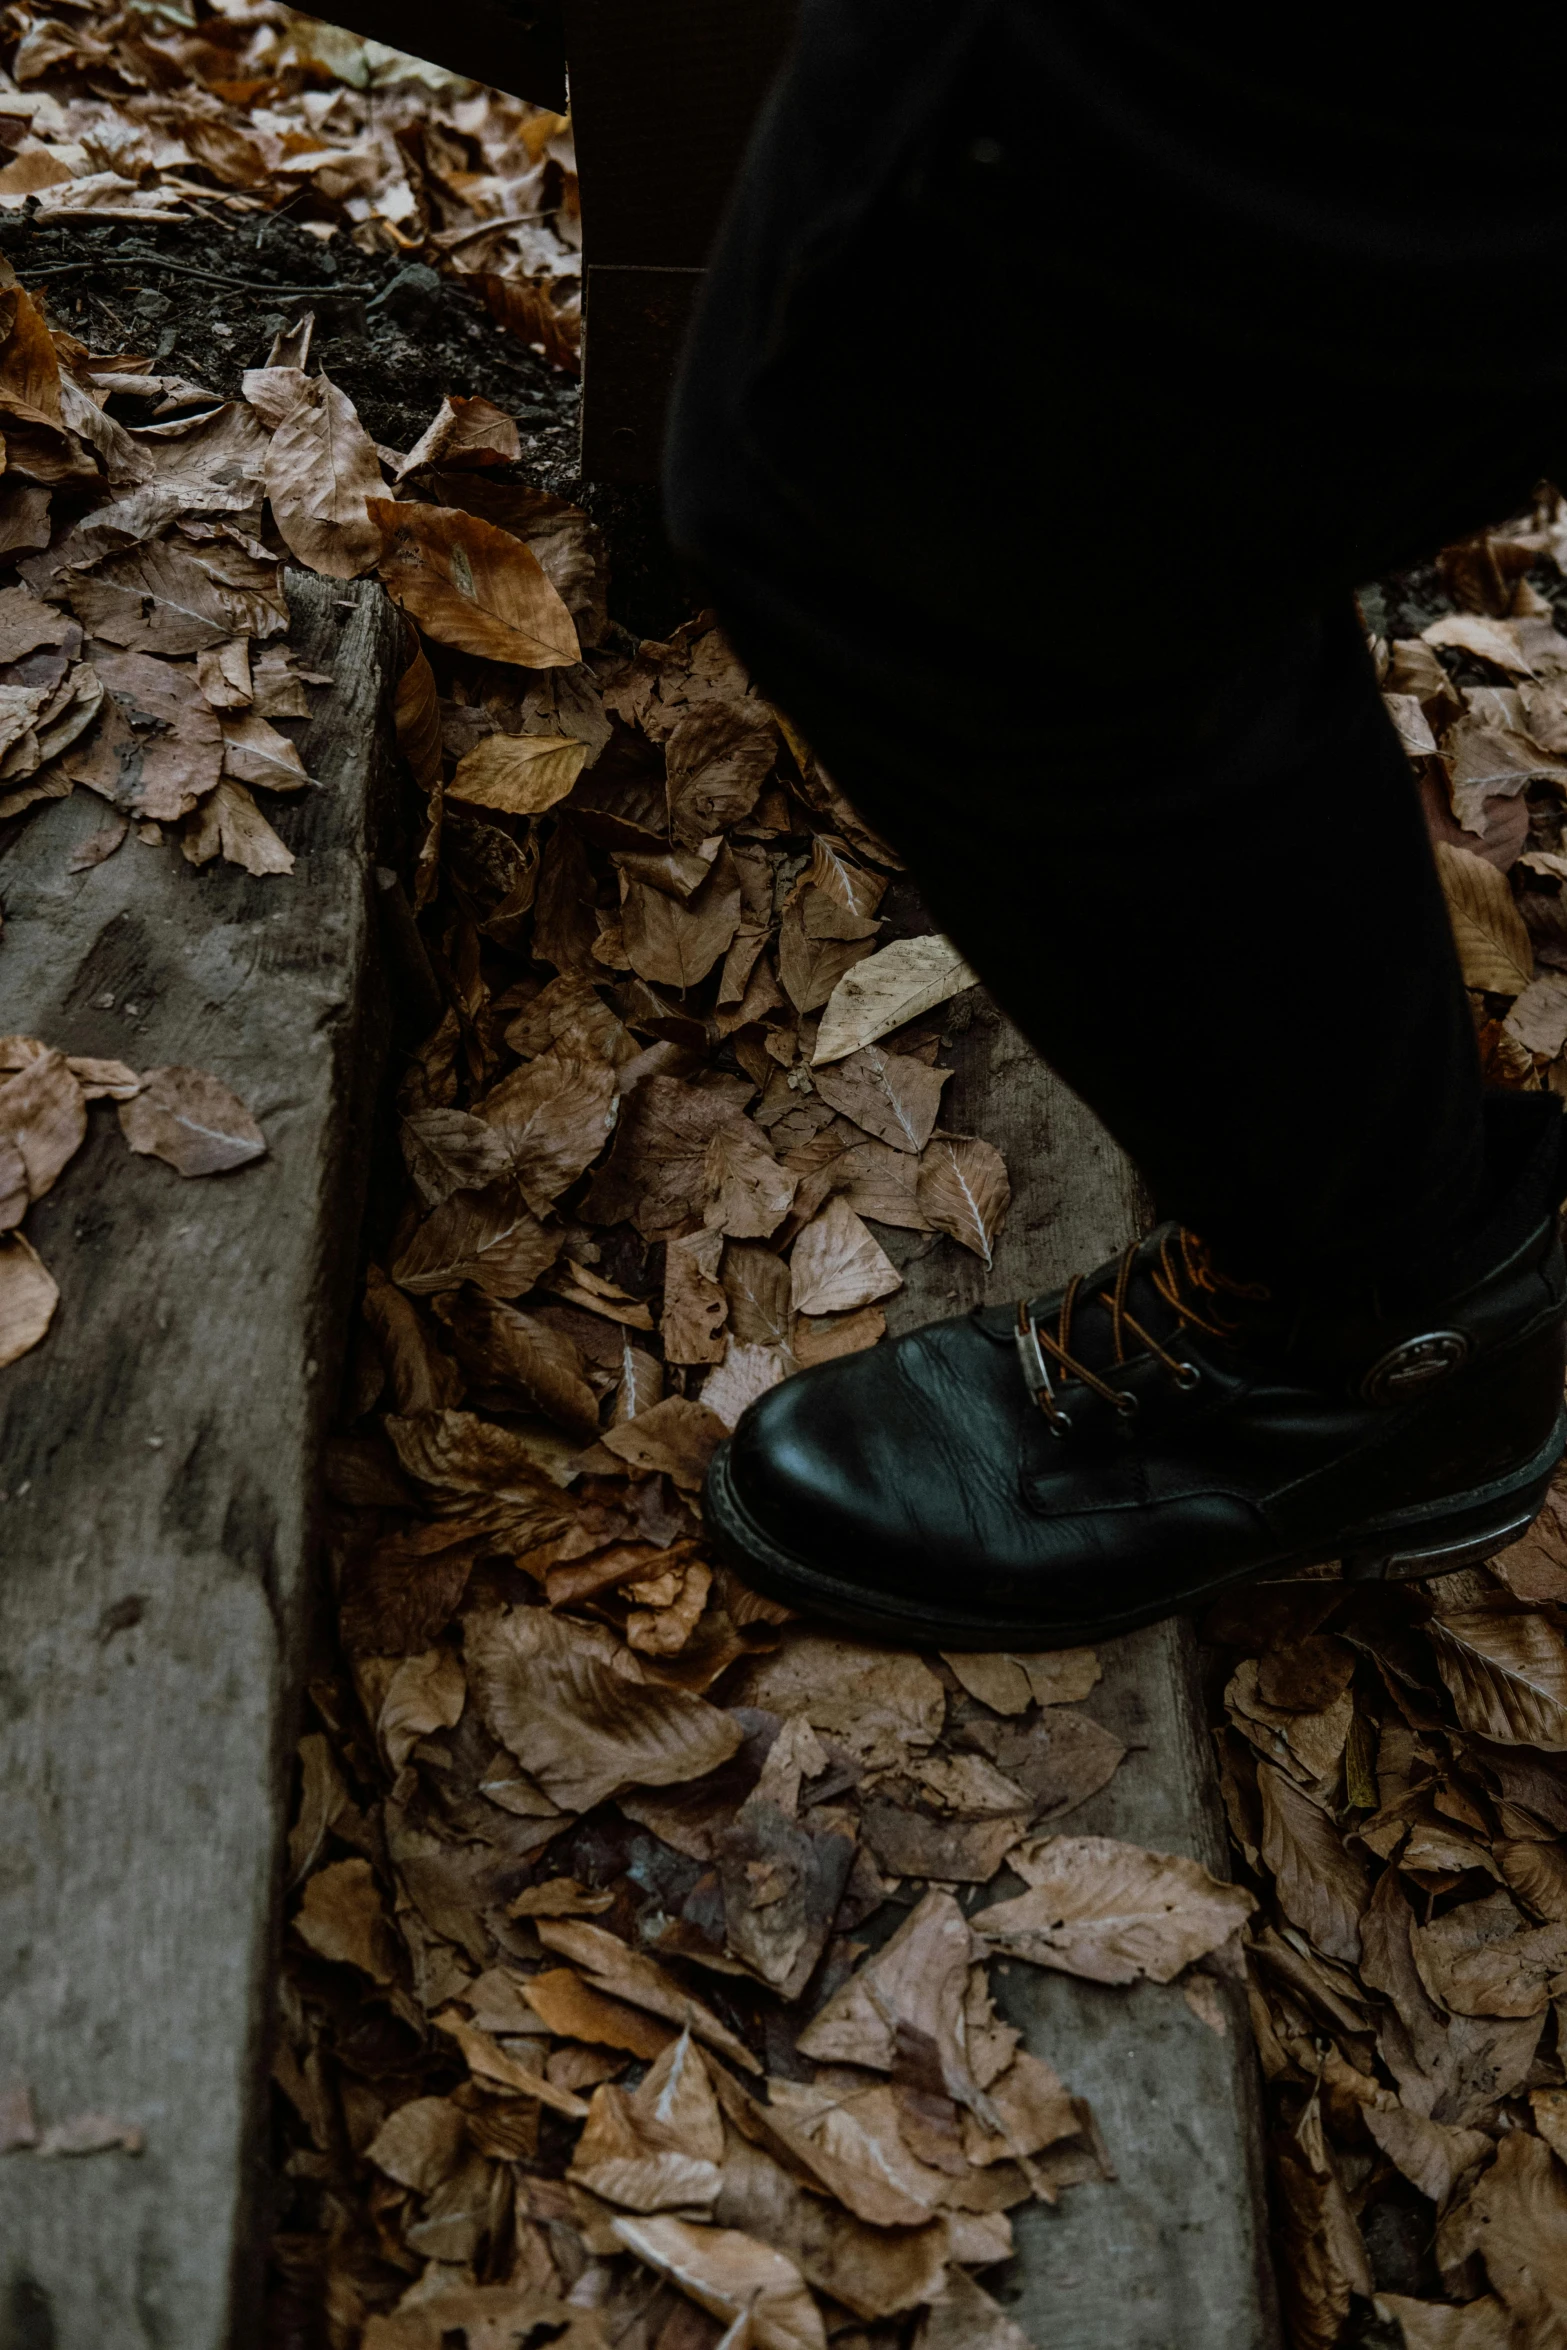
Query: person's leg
[[1113, 707]]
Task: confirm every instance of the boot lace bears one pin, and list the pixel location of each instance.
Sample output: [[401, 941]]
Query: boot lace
[[1184, 1277]]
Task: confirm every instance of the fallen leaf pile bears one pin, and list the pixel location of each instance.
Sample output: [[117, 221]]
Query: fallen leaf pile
[[143, 114], [183, 1116], [637, 1964], [1394, 1763]]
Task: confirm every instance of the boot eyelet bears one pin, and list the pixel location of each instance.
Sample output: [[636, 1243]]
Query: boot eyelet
[[1061, 1426], [1186, 1377], [1127, 1404]]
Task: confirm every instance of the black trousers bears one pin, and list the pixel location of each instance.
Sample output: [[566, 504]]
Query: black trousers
[[1061, 373]]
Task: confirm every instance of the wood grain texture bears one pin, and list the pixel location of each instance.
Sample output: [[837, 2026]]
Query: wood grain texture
[[158, 1456], [1173, 2255]]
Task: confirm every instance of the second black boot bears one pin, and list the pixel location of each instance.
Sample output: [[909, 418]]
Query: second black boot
[[1074, 1466]]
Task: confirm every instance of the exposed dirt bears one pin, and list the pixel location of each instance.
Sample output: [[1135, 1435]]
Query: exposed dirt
[[206, 297]]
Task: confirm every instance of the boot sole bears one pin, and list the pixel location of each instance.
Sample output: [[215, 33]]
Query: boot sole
[[1434, 1539]]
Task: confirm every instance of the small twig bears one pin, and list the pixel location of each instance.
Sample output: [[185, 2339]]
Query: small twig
[[147, 262], [471, 236]]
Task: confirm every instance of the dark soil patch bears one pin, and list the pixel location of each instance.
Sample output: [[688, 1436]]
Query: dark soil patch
[[205, 297]]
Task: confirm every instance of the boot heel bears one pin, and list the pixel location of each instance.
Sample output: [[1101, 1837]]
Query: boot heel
[[1439, 1551]]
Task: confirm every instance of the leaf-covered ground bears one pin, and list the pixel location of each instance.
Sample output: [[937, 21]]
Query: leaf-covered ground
[[635, 1976]]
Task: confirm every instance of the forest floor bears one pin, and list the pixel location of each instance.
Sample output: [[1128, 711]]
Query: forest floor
[[635, 1983]]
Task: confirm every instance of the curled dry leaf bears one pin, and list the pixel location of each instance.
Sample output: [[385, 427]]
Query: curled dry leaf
[[963, 1190], [874, 2271], [505, 1348], [875, 1702], [465, 432], [522, 774], [1113, 1911], [695, 1307], [891, 987], [28, 1297], [918, 1981], [486, 1236], [192, 1121], [255, 752], [570, 1704], [1516, 2217], [733, 2277], [577, 2011], [717, 758], [473, 586], [745, 1373]]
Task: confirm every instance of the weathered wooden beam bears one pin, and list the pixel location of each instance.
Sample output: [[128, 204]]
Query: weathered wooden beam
[[1173, 2254], [158, 1457]]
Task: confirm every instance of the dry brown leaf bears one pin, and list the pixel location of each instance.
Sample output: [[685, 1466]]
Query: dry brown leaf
[[485, 1236], [573, 2008], [43, 1117], [660, 2146], [896, 985], [508, 1349], [1321, 1888], [746, 1193], [1483, 1958], [874, 2271], [1516, 2217], [342, 1918], [569, 1703], [1430, 2155], [473, 586], [1488, 930], [554, 1115], [812, 967], [890, 1095], [695, 1307], [963, 1189], [1507, 1676], [1059, 1759], [675, 1437], [255, 752], [745, 1373], [626, 1974], [733, 2277], [1112, 1911], [1495, 641], [169, 597], [486, 2317], [158, 746], [964, 2317], [465, 432], [191, 1120], [824, 1341], [717, 758], [1009, 1684], [488, 2061], [321, 469], [876, 1702], [1324, 2260], [917, 1982], [421, 2143], [521, 773], [223, 673], [229, 823], [28, 1297], [836, 1266], [910, 1843], [1549, 2107], [1442, 2325]]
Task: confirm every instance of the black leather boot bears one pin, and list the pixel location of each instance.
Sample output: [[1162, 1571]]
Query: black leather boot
[[1075, 1466]]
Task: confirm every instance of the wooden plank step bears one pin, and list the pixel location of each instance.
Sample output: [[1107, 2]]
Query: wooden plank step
[[1173, 2254], [158, 1454]]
